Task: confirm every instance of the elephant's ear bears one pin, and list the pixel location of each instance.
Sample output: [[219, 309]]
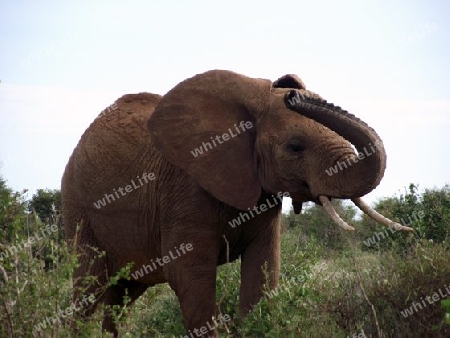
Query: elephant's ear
[[289, 81], [203, 127]]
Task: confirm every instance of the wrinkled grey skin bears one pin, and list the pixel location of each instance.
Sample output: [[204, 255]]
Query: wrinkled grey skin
[[192, 199]]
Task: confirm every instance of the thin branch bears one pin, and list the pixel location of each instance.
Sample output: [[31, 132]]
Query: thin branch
[[368, 301], [8, 317]]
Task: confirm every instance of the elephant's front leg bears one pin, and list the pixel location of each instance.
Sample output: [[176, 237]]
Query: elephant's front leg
[[193, 277], [264, 250]]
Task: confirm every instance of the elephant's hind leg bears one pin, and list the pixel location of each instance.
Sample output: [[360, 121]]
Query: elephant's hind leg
[[90, 276], [115, 295]]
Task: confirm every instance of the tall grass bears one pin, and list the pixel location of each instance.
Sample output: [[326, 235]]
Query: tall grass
[[324, 291]]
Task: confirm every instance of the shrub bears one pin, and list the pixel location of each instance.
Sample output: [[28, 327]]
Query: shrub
[[428, 213], [331, 284], [372, 292]]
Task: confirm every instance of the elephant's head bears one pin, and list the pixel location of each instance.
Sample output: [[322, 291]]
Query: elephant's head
[[257, 136]]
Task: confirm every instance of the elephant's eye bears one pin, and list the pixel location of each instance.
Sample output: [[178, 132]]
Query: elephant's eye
[[294, 146]]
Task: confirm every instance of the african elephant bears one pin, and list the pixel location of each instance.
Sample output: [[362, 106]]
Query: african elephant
[[216, 148]]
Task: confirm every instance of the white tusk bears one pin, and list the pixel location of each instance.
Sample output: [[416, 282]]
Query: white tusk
[[378, 217], [332, 213]]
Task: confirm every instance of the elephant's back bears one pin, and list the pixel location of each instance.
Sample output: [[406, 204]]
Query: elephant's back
[[113, 150]]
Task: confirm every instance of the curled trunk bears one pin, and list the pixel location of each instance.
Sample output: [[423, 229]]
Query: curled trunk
[[368, 168]]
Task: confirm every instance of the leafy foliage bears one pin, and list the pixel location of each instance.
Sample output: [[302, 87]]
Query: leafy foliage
[[446, 305], [317, 226], [428, 213], [12, 207], [331, 283], [46, 203]]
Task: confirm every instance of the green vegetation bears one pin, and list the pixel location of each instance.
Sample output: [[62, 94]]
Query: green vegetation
[[333, 283]]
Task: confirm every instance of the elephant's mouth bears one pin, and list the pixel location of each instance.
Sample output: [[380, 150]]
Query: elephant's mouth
[[325, 202]]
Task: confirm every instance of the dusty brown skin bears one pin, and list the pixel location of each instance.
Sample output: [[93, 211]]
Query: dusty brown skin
[[192, 199]]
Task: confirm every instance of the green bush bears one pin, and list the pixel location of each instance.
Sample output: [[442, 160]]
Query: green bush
[[370, 292], [331, 283], [317, 226], [427, 213], [46, 203]]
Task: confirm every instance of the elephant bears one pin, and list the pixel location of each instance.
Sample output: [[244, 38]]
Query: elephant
[[159, 177]]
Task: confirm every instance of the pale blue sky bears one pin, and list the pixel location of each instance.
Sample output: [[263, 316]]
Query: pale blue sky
[[62, 62]]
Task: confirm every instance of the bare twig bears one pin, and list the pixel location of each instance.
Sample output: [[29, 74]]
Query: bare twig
[[369, 302], [5, 275], [77, 231], [8, 318], [226, 278], [228, 248]]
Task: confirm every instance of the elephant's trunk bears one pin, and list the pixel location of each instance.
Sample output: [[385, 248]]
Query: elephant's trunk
[[368, 168]]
